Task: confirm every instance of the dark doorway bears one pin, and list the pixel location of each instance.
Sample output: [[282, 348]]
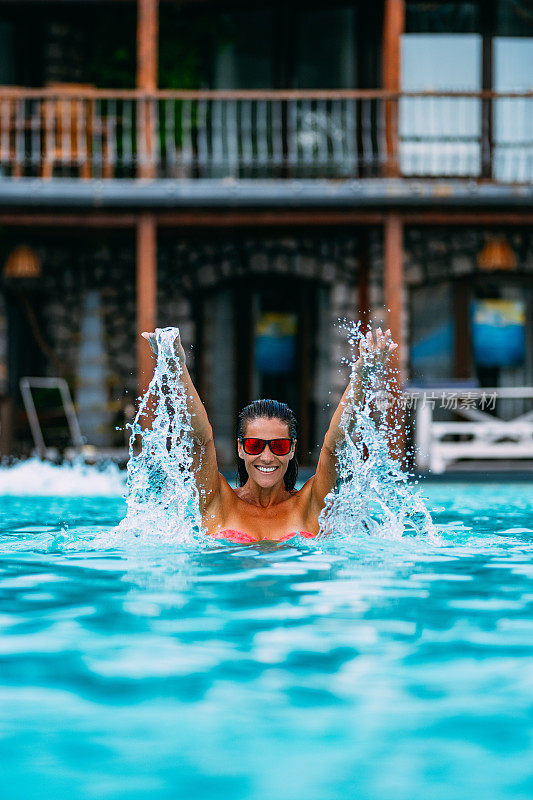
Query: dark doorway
[[270, 352]]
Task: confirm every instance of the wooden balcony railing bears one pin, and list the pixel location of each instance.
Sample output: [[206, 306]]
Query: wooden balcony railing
[[268, 134]]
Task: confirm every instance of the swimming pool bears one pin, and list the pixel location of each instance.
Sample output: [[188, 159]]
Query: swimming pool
[[368, 669]]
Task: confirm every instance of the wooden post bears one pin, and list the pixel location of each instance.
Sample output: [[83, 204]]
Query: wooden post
[[393, 28], [146, 295], [394, 303], [147, 60]]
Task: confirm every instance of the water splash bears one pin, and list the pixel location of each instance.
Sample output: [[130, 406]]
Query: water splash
[[373, 495], [37, 478], [162, 496]]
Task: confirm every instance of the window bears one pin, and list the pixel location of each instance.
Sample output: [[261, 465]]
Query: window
[[513, 72], [441, 52]]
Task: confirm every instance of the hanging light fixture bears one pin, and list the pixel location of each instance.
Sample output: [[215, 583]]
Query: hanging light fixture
[[22, 262], [496, 254]]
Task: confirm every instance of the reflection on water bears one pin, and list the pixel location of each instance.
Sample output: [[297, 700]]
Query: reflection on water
[[386, 669]]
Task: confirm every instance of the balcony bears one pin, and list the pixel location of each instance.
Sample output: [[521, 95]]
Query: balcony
[[83, 133]]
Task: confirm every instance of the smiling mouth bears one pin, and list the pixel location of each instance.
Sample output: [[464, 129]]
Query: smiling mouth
[[265, 469]]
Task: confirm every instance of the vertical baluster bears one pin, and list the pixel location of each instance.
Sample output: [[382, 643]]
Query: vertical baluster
[[110, 156], [4, 131], [366, 134], [231, 138], [217, 140], [292, 127], [404, 146], [187, 153], [97, 137], [170, 138], [383, 117], [79, 144], [35, 145], [140, 136], [349, 135], [325, 152], [337, 136], [203, 135], [19, 137], [224, 143], [127, 133], [277, 133], [50, 138], [63, 104], [246, 133], [155, 136], [262, 133], [307, 134]]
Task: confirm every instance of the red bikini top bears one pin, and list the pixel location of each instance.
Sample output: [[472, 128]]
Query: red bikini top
[[239, 537]]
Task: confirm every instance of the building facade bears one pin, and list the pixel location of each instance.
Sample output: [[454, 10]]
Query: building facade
[[254, 173]]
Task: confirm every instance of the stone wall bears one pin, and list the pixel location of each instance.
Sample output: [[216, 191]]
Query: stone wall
[[189, 265]]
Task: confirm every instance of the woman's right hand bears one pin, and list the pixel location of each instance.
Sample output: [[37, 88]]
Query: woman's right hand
[[151, 338]]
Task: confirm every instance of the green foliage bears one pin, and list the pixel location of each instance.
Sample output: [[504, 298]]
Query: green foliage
[[112, 62], [187, 44]]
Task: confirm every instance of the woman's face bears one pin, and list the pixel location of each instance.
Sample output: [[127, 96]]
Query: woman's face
[[266, 469]]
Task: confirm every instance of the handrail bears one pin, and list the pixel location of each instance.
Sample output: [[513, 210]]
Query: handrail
[[248, 94], [341, 133]]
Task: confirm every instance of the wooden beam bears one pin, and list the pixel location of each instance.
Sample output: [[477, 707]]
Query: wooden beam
[[62, 220], [274, 218], [146, 285], [394, 304], [281, 216], [393, 28]]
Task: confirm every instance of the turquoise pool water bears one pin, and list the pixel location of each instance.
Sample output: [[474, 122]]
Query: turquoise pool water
[[366, 669]]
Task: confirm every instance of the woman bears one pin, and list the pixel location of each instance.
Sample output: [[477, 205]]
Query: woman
[[266, 506]]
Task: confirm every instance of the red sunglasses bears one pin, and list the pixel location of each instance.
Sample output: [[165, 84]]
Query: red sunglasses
[[280, 447]]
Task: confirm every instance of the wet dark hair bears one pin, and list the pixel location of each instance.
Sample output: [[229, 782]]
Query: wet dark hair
[[271, 409]]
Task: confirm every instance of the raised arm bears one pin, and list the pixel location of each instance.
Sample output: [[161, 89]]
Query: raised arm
[[204, 455], [374, 350]]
